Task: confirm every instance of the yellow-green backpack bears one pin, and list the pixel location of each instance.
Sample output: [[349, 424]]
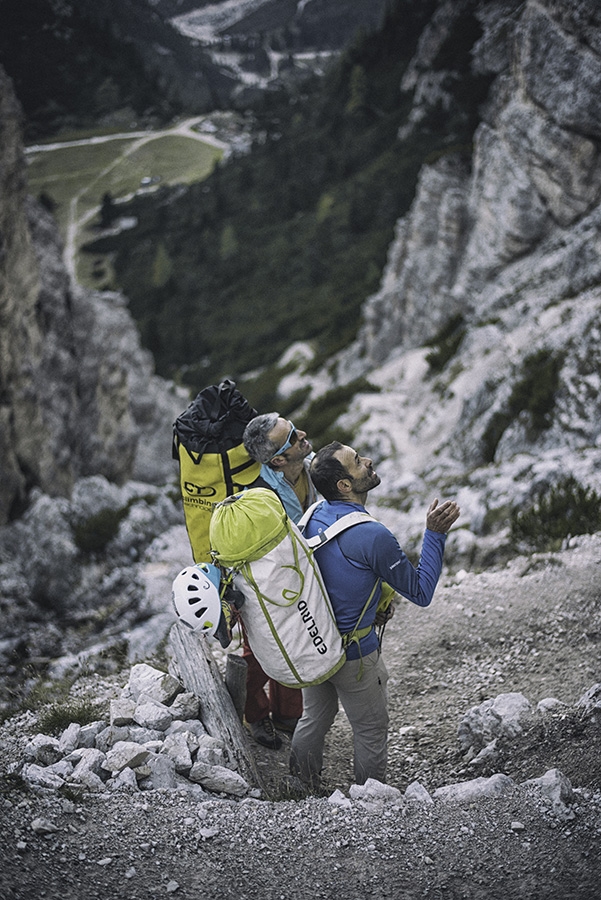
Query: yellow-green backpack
[[213, 464]]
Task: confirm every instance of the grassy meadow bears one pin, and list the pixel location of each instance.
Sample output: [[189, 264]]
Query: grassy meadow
[[76, 178]]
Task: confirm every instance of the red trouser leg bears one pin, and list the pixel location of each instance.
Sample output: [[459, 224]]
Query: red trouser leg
[[257, 704], [285, 702]]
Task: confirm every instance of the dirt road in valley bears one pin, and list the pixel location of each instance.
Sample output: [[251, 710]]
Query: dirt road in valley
[[76, 222]]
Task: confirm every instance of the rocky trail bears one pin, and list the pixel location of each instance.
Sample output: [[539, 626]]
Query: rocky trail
[[494, 785]]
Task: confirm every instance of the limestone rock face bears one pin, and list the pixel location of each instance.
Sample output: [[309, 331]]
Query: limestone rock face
[[20, 339], [421, 264], [78, 395], [484, 335], [535, 171]]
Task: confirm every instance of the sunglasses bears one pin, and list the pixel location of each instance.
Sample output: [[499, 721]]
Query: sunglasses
[[290, 441]]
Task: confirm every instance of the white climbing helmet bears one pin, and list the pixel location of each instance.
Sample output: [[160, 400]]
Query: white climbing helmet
[[195, 595]]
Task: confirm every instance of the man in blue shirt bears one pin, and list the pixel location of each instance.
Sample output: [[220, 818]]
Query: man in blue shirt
[[354, 565]]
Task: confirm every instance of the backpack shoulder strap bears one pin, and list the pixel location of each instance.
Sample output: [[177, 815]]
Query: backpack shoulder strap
[[302, 522], [332, 531]]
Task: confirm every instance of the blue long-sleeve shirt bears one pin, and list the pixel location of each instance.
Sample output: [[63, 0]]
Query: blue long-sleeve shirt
[[351, 564]]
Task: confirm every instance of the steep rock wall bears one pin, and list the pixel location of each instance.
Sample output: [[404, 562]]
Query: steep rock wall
[[77, 394], [484, 335], [535, 171], [21, 336]]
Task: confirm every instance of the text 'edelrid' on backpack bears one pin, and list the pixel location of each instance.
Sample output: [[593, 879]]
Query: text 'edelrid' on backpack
[[287, 614]]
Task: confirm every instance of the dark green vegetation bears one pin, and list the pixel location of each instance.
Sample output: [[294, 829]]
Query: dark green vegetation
[[564, 509], [74, 63], [287, 242], [534, 393], [323, 411], [58, 716], [446, 344], [51, 699], [93, 534], [60, 86]]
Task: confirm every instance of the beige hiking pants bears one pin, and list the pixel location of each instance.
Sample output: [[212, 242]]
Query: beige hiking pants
[[365, 704]]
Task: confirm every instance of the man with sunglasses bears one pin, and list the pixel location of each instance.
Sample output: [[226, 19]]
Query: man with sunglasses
[[285, 454]]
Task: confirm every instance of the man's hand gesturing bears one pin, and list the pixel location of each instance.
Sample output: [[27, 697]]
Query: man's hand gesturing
[[440, 518]]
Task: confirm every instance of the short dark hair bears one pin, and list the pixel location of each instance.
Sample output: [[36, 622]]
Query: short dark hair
[[327, 470]]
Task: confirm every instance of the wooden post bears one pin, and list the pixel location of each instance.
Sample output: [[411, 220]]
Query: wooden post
[[197, 669]]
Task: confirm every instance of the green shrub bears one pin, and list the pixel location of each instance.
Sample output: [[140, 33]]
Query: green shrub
[[446, 343], [536, 390], [565, 509], [58, 716], [93, 534], [296, 399], [401, 501], [493, 433], [495, 518], [323, 412], [261, 389], [51, 700], [533, 393]]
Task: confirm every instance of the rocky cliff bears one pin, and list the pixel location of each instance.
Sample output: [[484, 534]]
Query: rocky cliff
[[484, 339], [85, 442], [78, 396], [484, 335]]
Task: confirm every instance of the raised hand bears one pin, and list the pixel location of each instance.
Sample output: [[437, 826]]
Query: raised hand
[[440, 518]]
